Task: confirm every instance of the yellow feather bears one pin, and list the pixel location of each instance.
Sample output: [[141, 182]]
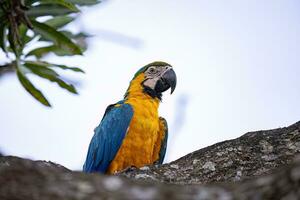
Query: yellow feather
[[141, 145]]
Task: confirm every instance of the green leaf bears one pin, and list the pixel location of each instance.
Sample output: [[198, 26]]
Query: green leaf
[[22, 31], [39, 52], [3, 29], [29, 87], [30, 2], [12, 40], [59, 21], [77, 35], [23, 35], [49, 74], [75, 69], [38, 63], [1, 14], [58, 38], [39, 66], [63, 3], [47, 10], [69, 34], [84, 2], [79, 38], [42, 51], [46, 64]]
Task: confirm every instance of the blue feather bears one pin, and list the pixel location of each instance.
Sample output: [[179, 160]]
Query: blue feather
[[108, 137]]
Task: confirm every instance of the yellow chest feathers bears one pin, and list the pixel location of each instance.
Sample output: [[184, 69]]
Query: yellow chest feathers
[[145, 118], [139, 145]]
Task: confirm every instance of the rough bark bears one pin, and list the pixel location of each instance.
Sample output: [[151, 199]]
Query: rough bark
[[253, 154], [258, 165]]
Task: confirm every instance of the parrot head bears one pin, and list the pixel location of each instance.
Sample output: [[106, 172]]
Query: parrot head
[[154, 79]]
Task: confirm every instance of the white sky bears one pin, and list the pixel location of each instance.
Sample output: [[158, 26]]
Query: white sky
[[237, 64]]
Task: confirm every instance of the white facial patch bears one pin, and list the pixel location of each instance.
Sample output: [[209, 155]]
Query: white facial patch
[[153, 74], [151, 82]]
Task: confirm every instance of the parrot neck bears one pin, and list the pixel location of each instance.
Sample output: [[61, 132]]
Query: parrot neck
[[138, 92]]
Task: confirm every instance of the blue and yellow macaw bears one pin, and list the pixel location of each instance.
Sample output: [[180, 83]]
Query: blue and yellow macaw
[[131, 133]]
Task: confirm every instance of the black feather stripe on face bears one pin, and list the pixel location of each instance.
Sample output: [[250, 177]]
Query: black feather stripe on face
[[152, 93]]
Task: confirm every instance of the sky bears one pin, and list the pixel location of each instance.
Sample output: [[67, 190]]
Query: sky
[[237, 65]]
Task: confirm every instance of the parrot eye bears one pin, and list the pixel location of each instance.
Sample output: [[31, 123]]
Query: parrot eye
[[152, 70]]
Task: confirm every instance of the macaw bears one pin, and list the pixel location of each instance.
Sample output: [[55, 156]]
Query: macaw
[[131, 133]]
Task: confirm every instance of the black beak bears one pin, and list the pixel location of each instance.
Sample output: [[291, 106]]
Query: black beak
[[168, 80]]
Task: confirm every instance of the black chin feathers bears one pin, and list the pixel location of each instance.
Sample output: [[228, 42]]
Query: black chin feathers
[[152, 93]]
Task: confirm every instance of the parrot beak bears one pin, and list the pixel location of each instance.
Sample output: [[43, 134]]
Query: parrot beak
[[166, 81]]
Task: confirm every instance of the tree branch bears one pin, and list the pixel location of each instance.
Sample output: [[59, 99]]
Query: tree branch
[[258, 165], [253, 154], [6, 69]]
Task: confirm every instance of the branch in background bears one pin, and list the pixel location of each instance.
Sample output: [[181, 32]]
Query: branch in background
[[6, 69]]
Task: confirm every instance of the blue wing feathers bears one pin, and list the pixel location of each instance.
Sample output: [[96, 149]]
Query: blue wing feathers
[[108, 137]]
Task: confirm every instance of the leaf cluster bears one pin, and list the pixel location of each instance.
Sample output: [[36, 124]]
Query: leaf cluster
[[23, 25]]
